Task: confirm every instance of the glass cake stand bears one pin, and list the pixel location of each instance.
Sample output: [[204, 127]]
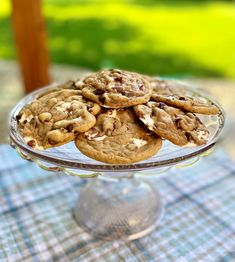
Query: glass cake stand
[[119, 202]]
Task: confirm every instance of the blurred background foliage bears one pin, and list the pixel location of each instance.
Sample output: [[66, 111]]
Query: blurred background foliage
[[169, 38]]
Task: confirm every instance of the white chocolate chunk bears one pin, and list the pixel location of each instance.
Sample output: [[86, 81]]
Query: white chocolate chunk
[[139, 142], [93, 136], [26, 117], [90, 135], [100, 138], [148, 121]]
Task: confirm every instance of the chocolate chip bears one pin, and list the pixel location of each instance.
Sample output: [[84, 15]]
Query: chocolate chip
[[141, 86], [31, 143], [18, 117], [69, 127], [89, 107], [161, 105], [73, 84], [52, 142], [118, 78], [188, 135], [119, 89], [25, 121], [69, 110], [99, 91], [32, 121], [177, 122], [128, 94], [102, 99], [182, 98]]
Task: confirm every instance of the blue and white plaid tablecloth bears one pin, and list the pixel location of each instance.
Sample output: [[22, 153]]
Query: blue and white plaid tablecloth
[[37, 223]]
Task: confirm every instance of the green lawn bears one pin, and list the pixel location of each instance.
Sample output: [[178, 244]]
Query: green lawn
[[186, 39]]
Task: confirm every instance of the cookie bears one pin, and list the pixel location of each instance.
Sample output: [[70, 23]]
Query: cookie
[[166, 87], [173, 124], [198, 105], [118, 138], [115, 88], [54, 118]]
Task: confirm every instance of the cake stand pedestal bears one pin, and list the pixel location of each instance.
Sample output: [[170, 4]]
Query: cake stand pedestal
[[125, 208]]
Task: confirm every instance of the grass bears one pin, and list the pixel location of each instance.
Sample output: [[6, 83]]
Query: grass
[[156, 37]]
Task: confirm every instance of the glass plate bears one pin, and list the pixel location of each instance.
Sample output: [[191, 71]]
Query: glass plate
[[70, 157]]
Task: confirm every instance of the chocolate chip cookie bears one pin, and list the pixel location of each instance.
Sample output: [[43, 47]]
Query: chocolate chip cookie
[[198, 105], [115, 88], [55, 117], [118, 138], [173, 124]]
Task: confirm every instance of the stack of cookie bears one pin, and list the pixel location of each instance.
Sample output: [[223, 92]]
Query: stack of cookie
[[115, 116]]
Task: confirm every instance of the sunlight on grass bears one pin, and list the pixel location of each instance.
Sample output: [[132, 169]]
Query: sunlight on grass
[[194, 39], [5, 8], [203, 33]]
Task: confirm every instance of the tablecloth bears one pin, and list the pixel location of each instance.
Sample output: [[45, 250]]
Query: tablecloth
[[37, 223]]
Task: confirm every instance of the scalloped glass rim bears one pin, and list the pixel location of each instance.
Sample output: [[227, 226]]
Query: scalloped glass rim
[[173, 154]]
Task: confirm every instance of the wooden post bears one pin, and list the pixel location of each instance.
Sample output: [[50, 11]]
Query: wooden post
[[30, 37]]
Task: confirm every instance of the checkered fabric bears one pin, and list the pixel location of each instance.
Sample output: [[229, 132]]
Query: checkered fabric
[[37, 223]]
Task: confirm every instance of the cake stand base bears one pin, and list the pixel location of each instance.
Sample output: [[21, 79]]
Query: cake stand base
[[124, 208]]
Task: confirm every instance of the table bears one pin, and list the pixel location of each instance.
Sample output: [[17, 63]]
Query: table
[[37, 223]]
